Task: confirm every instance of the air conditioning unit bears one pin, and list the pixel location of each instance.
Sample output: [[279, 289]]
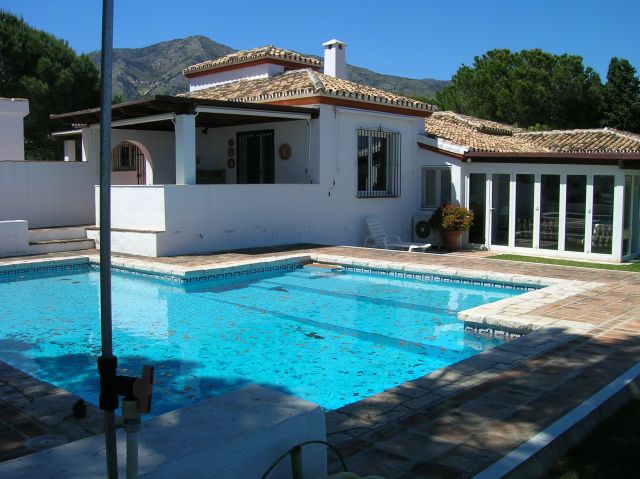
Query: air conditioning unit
[[422, 232]]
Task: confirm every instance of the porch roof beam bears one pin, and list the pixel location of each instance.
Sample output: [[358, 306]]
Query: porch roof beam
[[251, 112], [144, 119]]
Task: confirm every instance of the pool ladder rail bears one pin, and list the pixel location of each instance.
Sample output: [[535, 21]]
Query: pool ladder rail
[[296, 463]]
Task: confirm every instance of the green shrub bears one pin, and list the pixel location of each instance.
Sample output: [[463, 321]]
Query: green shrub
[[450, 217]]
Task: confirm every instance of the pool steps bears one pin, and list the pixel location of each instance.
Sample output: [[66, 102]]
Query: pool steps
[[56, 240]]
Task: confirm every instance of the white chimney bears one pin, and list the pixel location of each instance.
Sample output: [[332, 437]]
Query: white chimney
[[335, 63]]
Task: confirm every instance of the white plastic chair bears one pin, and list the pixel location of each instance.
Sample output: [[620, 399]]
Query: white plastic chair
[[378, 238]]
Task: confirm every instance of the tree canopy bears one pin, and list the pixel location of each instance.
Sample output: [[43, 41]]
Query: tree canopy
[[622, 97], [45, 70], [531, 88]]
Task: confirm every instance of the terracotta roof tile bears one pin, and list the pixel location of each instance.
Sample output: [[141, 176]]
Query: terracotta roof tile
[[255, 54], [600, 140], [484, 135], [303, 83], [475, 133]]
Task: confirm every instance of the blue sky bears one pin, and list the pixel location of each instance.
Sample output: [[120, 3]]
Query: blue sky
[[417, 39]]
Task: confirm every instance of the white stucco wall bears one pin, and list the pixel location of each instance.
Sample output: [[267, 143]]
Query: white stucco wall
[[160, 146], [249, 72], [14, 238], [48, 193], [135, 207], [338, 174], [12, 113]]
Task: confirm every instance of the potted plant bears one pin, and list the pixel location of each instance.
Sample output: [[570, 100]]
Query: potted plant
[[451, 221]]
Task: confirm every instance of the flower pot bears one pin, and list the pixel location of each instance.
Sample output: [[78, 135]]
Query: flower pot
[[452, 240]]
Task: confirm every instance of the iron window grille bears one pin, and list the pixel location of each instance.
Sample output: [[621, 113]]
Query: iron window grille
[[126, 156], [378, 163]]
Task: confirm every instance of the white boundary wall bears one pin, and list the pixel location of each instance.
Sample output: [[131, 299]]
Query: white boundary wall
[[14, 238], [47, 193], [12, 113], [44, 193]]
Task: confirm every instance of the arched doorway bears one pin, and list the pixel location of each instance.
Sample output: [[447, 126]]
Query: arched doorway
[[130, 164]]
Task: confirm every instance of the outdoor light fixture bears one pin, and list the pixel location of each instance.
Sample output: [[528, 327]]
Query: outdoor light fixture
[[205, 130]]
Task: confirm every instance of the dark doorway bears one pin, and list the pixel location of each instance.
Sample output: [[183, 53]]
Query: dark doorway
[[256, 157]]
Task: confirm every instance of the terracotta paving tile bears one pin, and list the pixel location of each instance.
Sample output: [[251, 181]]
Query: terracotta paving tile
[[353, 447], [513, 395], [431, 470], [379, 462], [467, 458], [10, 442], [416, 446]]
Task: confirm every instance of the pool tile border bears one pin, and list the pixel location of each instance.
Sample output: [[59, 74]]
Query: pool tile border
[[136, 267], [438, 278], [24, 270]]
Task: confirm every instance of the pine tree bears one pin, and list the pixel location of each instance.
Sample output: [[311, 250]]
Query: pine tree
[[622, 97], [45, 70], [531, 88]]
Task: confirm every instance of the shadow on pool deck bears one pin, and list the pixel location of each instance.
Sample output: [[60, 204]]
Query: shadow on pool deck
[[30, 408], [459, 420]]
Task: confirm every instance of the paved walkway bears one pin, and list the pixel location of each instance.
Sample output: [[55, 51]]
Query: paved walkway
[[457, 421]]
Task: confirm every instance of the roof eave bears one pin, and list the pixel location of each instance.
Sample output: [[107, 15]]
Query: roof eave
[[171, 104], [611, 156]]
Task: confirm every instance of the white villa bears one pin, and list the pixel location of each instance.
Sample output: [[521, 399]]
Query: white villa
[[273, 147]]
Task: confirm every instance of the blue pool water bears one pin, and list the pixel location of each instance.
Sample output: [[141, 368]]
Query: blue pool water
[[331, 338]]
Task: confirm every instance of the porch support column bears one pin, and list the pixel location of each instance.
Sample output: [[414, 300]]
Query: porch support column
[[185, 133]]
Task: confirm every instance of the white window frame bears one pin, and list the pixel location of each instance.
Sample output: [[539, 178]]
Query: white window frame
[[438, 195]]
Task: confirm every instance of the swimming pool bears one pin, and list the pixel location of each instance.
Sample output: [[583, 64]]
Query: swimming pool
[[331, 337]]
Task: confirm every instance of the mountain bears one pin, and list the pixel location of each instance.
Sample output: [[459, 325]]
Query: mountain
[[157, 69], [425, 88]]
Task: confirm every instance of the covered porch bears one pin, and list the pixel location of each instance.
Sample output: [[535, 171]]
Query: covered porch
[[167, 140], [201, 175]]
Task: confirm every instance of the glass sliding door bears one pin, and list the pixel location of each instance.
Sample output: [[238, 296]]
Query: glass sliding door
[[549, 211], [500, 209], [602, 209], [477, 204], [524, 210], [256, 157], [576, 212]]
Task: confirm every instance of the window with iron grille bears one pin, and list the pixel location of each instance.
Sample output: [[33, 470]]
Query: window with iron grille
[[125, 156], [378, 164]]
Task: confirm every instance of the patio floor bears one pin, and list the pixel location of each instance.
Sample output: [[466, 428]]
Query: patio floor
[[454, 422]]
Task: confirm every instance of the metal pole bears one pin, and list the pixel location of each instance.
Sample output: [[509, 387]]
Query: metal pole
[[105, 222]]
